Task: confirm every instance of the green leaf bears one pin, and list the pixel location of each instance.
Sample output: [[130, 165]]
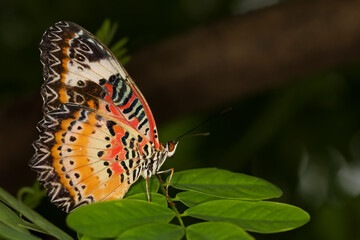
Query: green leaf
[[33, 216], [262, 217], [225, 184], [216, 231], [111, 218], [120, 51], [154, 197], [31, 196], [32, 226], [140, 186], [190, 198], [124, 60], [106, 32], [84, 237], [7, 232], [9, 218], [89, 238], [119, 45], [158, 231]]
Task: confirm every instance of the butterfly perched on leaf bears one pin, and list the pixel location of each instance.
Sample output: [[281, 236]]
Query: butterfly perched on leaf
[[98, 135]]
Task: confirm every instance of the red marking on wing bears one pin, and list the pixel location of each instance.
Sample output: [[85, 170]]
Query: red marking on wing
[[109, 88], [116, 112], [117, 147], [149, 115], [135, 122], [117, 169]]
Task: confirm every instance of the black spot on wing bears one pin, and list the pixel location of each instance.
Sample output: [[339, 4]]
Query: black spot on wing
[[132, 105], [83, 116], [107, 107], [134, 174], [137, 110], [142, 124], [131, 144], [100, 153], [124, 138], [146, 130], [109, 172], [112, 79], [131, 162], [102, 81], [146, 149], [127, 153], [141, 116], [110, 124], [123, 164]]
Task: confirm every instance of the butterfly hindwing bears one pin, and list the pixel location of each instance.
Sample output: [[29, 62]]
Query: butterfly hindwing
[[83, 157]]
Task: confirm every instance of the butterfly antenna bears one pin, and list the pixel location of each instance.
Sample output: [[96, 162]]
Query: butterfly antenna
[[202, 123]]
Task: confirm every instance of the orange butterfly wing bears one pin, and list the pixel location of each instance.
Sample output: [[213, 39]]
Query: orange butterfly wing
[[97, 127]]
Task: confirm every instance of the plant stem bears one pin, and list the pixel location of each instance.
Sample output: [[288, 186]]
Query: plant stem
[[162, 189], [178, 215]]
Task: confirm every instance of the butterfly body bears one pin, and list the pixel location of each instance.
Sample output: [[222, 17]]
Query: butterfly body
[[98, 135]]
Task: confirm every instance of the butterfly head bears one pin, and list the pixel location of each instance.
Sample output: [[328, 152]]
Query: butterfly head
[[167, 150], [171, 148]]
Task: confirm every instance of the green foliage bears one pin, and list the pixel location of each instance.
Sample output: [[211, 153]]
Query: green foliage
[[190, 198], [208, 196], [259, 216], [106, 34], [230, 202], [222, 183], [140, 186], [216, 230], [14, 226], [7, 232], [10, 218], [155, 197], [31, 196], [110, 219], [158, 231]]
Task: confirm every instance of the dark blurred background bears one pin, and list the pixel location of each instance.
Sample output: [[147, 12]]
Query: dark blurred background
[[289, 69]]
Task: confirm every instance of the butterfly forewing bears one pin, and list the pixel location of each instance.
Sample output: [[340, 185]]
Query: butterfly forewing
[[97, 127], [79, 69]]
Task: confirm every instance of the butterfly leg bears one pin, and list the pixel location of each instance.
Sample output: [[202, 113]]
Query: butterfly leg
[[162, 181], [147, 189], [168, 184]]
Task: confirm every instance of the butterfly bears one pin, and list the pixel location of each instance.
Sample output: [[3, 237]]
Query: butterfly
[[98, 135]]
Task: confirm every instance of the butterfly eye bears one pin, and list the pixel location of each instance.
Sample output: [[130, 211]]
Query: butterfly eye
[[172, 147]]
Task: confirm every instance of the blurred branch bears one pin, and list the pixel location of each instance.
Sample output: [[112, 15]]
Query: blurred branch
[[245, 54]]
